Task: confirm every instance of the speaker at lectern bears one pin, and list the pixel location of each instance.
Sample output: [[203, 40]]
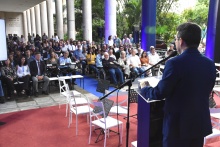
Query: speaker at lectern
[[150, 117]]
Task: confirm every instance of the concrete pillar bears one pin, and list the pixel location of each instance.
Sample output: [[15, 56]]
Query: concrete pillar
[[110, 18], [33, 24], [25, 25], [87, 20], [38, 20], [59, 18], [29, 21], [212, 37], [50, 19], [71, 19], [43, 12], [64, 17]]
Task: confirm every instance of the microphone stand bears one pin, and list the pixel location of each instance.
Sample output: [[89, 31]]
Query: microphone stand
[[129, 84]]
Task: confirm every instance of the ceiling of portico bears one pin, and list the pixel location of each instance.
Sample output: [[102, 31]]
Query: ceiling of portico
[[17, 5]]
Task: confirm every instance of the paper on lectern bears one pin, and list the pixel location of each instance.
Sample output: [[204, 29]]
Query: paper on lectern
[[153, 81]]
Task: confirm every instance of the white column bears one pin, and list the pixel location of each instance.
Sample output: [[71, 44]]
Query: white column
[[29, 21], [59, 18], [33, 24], [50, 19], [25, 25], [43, 12], [38, 20], [64, 16], [110, 18], [71, 19], [87, 20]]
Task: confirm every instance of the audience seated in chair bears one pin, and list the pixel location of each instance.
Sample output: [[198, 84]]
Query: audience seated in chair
[[145, 63], [8, 78], [79, 57], [113, 69], [90, 57], [52, 71], [23, 73], [38, 70], [153, 59], [98, 62], [65, 69], [122, 61], [29, 58], [135, 63]]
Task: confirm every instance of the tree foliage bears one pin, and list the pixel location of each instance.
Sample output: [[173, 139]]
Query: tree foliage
[[129, 14], [198, 14]]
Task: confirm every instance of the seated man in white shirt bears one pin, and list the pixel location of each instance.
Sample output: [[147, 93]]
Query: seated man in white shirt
[[135, 63], [153, 59], [65, 68]]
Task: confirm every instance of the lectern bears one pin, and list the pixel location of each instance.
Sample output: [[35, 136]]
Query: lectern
[[150, 119]]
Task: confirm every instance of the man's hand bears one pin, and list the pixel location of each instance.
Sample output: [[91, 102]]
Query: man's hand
[[40, 77], [143, 84]]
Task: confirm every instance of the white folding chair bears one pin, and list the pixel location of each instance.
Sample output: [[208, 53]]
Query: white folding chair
[[120, 108], [78, 109], [105, 123], [64, 91]]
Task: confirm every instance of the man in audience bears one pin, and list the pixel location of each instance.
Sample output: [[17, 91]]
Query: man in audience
[[29, 57], [78, 57], [135, 63], [111, 66], [153, 59], [65, 68], [118, 53], [38, 70]]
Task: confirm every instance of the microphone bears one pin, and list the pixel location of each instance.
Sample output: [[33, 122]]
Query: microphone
[[173, 54]]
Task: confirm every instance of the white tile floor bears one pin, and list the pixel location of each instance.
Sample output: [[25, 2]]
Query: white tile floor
[[38, 102]]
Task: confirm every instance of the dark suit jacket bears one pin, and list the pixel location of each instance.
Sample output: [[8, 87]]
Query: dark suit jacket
[[34, 68], [186, 84]]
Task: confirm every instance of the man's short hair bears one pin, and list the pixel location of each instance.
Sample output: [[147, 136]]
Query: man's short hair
[[190, 33], [36, 53]]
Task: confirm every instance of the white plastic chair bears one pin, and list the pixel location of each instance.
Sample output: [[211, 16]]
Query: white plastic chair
[[64, 91], [78, 109], [104, 123], [118, 108]]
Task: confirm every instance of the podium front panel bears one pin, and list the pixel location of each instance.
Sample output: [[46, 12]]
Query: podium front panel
[[150, 122]]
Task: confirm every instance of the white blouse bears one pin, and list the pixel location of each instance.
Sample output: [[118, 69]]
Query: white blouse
[[23, 71]]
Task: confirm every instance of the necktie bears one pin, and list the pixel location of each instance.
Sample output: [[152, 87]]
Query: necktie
[[38, 68]]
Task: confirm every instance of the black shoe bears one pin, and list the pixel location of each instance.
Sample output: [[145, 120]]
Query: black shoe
[[45, 93], [74, 84], [2, 100], [36, 94], [2, 123]]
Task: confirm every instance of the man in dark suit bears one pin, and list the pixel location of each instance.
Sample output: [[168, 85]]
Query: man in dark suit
[[186, 84], [37, 69]]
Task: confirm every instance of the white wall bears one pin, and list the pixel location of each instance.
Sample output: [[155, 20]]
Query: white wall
[[14, 22]]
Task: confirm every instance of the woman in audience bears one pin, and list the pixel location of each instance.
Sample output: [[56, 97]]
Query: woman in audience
[[9, 77], [23, 73], [53, 69], [145, 62], [110, 41], [90, 57], [123, 63]]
